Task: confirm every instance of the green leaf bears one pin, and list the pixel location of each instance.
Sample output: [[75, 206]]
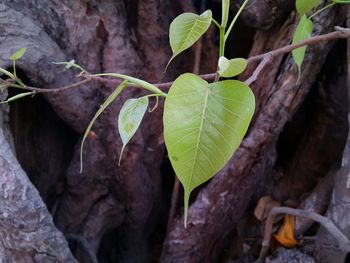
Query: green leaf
[[18, 54], [341, 1], [18, 96], [186, 29], [231, 68], [302, 32], [108, 101], [225, 9], [203, 126], [304, 6], [130, 118]]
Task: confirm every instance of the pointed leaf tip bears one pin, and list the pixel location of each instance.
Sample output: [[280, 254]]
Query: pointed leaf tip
[[130, 118], [104, 106], [203, 126]]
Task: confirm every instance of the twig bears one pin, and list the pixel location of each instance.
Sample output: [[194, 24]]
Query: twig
[[39, 90], [339, 33], [343, 241], [258, 69], [84, 244]]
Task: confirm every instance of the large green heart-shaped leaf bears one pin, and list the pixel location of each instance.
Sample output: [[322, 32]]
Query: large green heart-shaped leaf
[[303, 31], [186, 29], [231, 68], [130, 118], [203, 126], [304, 6]]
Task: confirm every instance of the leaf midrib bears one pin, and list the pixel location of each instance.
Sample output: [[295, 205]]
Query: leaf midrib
[[199, 136], [194, 25], [129, 115]]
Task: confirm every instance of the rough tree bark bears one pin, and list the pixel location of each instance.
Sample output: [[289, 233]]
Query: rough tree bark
[[121, 212], [28, 233]]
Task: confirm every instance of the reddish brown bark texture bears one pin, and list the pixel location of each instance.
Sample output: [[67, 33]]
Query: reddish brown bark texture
[[121, 212]]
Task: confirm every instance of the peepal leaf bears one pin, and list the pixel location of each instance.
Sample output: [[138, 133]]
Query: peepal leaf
[[302, 32], [18, 54], [203, 126], [304, 6], [232, 67], [186, 29], [225, 12], [130, 118]]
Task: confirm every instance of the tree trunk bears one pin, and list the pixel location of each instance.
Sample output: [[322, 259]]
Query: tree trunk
[[119, 213]]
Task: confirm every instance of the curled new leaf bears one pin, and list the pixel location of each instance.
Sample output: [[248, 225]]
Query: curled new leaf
[[231, 68], [225, 12], [203, 126], [130, 118], [108, 101], [186, 29], [303, 31], [18, 54]]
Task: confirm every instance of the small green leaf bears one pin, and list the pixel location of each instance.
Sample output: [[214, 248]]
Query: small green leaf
[[304, 6], [107, 102], [18, 96], [225, 6], [302, 32], [341, 1], [130, 118], [231, 68], [186, 29], [18, 54], [203, 126]]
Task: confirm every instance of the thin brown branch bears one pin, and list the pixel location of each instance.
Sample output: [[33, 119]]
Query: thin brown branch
[[343, 241], [258, 69], [337, 34], [40, 90]]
